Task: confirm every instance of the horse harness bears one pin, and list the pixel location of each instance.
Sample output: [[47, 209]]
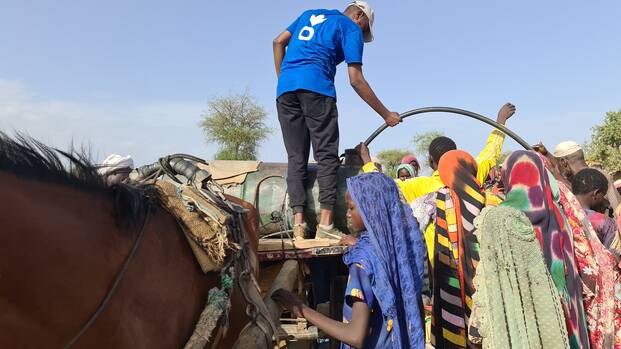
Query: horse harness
[[117, 281], [172, 166]]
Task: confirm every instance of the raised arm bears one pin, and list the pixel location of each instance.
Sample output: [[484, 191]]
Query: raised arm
[[363, 89], [280, 46], [488, 158]]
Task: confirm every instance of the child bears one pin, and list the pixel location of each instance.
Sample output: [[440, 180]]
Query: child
[[382, 302], [405, 172]]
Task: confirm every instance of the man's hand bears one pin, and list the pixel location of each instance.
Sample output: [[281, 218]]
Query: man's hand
[[392, 119], [364, 153], [288, 301], [541, 149], [505, 113], [553, 164]]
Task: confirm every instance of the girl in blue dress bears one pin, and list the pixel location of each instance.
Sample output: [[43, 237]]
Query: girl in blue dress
[[382, 307]]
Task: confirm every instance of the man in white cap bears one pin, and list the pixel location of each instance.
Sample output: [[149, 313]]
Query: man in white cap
[[115, 168], [305, 56], [571, 160]]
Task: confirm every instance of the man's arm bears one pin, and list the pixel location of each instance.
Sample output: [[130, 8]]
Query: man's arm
[[488, 158], [365, 156], [362, 88], [280, 46]]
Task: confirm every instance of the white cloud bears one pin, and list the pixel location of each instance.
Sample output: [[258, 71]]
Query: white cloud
[[144, 130]]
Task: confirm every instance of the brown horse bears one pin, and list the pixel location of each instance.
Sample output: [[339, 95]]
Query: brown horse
[[64, 236]]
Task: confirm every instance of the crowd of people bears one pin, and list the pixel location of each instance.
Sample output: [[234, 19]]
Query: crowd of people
[[523, 254]]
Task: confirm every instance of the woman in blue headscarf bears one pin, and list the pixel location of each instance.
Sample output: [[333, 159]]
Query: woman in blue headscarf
[[382, 307]]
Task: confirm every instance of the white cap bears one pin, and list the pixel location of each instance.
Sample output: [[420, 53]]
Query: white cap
[[115, 162], [566, 148], [368, 11], [617, 183]]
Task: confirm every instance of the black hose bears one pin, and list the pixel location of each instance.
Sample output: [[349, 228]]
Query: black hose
[[453, 111], [173, 165]]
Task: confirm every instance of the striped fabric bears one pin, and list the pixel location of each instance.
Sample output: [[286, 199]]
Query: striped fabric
[[456, 249]]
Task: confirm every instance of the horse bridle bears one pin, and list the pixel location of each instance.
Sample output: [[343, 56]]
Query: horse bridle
[[117, 281]]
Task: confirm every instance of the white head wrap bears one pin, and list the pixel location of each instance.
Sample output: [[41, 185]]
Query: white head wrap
[[115, 162], [566, 148]]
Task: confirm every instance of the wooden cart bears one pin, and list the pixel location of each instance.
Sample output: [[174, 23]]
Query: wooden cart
[[273, 254]]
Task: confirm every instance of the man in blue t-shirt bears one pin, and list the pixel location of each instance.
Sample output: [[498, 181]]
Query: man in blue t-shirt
[[306, 56]]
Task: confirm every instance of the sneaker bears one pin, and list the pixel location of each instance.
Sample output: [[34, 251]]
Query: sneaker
[[328, 232], [299, 231]]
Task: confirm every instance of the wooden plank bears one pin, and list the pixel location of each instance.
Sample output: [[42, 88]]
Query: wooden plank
[[303, 254], [277, 244]]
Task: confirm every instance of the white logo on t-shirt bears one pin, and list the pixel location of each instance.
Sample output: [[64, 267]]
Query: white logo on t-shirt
[[307, 32]]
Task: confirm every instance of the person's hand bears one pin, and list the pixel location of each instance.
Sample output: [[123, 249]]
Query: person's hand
[[392, 119], [505, 113], [364, 153], [541, 149], [288, 301], [553, 163], [348, 240]]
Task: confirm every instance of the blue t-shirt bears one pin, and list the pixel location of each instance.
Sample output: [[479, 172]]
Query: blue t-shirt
[[320, 40], [359, 288]]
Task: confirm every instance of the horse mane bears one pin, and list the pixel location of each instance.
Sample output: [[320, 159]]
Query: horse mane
[[29, 158]]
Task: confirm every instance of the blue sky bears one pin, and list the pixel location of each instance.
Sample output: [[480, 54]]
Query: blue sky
[[134, 77]]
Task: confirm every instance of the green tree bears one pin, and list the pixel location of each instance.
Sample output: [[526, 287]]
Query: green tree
[[237, 124], [421, 145], [423, 140], [605, 144], [391, 159]]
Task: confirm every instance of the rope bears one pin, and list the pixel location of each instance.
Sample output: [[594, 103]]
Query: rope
[[218, 304], [115, 284]]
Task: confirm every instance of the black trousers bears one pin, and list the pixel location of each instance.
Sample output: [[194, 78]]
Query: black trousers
[[307, 117]]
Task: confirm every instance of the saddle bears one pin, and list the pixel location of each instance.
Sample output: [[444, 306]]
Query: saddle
[[205, 225]]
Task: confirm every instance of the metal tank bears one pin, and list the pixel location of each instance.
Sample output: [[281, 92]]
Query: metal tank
[[266, 189]]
